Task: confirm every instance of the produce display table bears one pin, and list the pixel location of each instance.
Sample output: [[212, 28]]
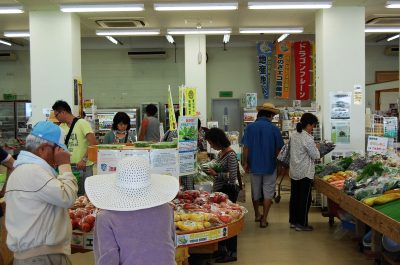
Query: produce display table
[[368, 215]]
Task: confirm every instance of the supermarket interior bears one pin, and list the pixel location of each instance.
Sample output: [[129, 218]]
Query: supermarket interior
[[199, 132]]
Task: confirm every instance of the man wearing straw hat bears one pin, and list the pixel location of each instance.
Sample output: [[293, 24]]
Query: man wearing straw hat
[[38, 198], [136, 223], [262, 142]]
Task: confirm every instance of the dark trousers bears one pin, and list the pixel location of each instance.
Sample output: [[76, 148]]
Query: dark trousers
[[300, 201], [230, 244]]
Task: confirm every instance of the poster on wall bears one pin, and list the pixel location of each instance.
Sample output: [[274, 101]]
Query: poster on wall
[[264, 52], [357, 95], [390, 127], [282, 69], [340, 132], [340, 105], [76, 93], [187, 145], [302, 63]]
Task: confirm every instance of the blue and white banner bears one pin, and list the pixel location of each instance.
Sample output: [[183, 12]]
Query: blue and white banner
[[264, 52]]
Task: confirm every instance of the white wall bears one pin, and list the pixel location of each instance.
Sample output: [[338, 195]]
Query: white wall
[[376, 60]]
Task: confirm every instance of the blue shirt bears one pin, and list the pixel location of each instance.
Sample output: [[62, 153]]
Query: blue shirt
[[263, 139]]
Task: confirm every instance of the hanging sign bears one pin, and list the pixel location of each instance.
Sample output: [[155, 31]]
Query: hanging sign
[[171, 112], [187, 144], [302, 66], [314, 81], [264, 52], [282, 71], [377, 145], [190, 101]]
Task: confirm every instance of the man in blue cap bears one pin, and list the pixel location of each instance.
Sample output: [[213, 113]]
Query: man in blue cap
[[38, 198]]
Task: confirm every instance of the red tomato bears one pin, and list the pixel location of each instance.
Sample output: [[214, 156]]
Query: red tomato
[[86, 227], [80, 213], [71, 215], [225, 218], [89, 219], [75, 223]]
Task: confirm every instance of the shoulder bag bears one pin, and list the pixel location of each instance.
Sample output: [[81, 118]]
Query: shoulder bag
[[284, 155], [70, 131]]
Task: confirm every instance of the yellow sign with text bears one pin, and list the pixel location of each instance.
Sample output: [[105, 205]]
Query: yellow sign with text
[[200, 237], [190, 101]]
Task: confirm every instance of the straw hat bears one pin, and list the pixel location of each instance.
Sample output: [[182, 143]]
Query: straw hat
[[52, 117], [269, 107], [131, 188]]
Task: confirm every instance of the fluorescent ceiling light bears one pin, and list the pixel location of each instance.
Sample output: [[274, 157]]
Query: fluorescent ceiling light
[[5, 42], [127, 32], [393, 4], [11, 9], [283, 36], [226, 38], [195, 6], [382, 29], [16, 34], [393, 37], [101, 7], [190, 31], [112, 40], [290, 5], [170, 39], [270, 30]]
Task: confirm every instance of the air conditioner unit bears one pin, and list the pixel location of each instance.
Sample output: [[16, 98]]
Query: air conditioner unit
[[8, 56], [159, 54], [392, 51]]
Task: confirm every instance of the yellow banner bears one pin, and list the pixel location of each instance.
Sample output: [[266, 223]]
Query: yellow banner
[[282, 71], [181, 100], [171, 112], [190, 101]]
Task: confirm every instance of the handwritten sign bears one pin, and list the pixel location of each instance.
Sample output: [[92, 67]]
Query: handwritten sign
[[377, 145]]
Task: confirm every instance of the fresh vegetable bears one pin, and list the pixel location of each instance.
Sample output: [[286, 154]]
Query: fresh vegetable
[[142, 144], [375, 168], [345, 162], [382, 199], [164, 145]]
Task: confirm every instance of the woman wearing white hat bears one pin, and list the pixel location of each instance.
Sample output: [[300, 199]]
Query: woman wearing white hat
[[136, 224]]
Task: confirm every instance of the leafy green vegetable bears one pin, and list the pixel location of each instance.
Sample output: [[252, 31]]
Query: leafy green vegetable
[[371, 169], [188, 133], [345, 162], [164, 145], [142, 144]]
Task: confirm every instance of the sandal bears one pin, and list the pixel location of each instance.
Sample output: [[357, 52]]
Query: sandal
[[263, 224], [258, 219]]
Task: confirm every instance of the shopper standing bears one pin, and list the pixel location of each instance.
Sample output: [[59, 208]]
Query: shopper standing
[[38, 198], [262, 142], [8, 161], [303, 152], [120, 130], [228, 181], [79, 135], [150, 127], [136, 224]]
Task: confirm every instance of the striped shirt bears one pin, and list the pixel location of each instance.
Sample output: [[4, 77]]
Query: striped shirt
[[229, 165], [303, 152]]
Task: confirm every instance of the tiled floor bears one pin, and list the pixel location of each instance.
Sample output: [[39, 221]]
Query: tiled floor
[[279, 245]]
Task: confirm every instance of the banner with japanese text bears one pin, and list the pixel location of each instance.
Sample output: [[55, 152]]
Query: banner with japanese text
[[282, 70], [302, 66], [314, 80], [264, 53], [171, 112]]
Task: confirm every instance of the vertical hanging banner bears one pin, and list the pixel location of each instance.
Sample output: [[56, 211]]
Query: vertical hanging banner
[[314, 72], [283, 55], [171, 112], [302, 66], [264, 52], [190, 101]]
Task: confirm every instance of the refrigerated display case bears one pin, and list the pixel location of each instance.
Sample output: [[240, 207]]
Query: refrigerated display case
[[14, 116], [102, 120]]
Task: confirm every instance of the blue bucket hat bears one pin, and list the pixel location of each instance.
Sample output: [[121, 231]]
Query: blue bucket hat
[[50, 132]]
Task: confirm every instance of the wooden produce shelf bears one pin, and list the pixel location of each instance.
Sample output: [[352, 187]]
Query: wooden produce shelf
[[368, 215]]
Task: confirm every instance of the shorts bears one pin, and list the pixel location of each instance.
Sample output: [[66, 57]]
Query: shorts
[[263, 186]]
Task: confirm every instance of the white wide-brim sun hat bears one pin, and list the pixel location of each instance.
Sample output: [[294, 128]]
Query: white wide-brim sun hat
[[131, 188]]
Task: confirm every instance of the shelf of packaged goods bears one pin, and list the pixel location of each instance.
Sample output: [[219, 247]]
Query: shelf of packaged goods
[[364, 213]]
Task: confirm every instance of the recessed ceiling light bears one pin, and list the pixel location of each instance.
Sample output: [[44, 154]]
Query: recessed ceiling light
[[127, 32], [393, 37], [16, 34], [393, 4], [195, 6], [5, 42], [101, 7], [382, 29], [211, 31], [11, 9], [270, 30], [290, 5]]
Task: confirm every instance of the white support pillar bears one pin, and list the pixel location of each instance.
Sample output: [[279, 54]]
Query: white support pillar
[[340, 52], [55, 48], [195, 70]]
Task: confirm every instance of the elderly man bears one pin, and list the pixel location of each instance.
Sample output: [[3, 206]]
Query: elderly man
[[38, 198], [262, 142]]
